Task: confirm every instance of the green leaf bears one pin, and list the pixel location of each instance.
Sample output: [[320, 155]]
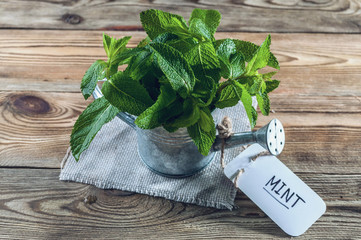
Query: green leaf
[[156, 22], [204, 22], [89, 123], [271, 85], [204, 91], [269, 75], [258, 86], [260, 58], [248, 49], [183, 45], [232, 62], [263, 103], [204, 61], [206, 120], [140, 65], [224, 52], [113, 46], [92, 75], [190, 115], [125, 56], [126, 94], [201, 138], [144, 42], [165, 37], [164, 108], [229, 96], [107, 40], [175, 67], [247, 103]]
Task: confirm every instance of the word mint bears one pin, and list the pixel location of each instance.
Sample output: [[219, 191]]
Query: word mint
[[281, 194]]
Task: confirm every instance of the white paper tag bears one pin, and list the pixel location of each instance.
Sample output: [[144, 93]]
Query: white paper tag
[[283, 196]]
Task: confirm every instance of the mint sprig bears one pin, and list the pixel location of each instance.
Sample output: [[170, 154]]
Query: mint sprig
[[173, 78]]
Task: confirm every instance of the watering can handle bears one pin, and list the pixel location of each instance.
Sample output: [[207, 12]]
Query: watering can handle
[[126, 117]]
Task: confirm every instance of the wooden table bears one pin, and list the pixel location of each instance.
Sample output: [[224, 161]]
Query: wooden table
[[45, 48]]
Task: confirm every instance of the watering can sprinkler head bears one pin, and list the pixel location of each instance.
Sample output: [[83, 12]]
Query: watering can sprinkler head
[[271, 137]]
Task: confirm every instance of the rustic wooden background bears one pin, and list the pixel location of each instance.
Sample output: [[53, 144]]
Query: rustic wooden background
[[45, 48]]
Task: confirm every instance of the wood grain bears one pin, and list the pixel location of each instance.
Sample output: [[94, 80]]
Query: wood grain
[[38, 124], [253, 16], [323, 138], [56, 61], [30, 209]]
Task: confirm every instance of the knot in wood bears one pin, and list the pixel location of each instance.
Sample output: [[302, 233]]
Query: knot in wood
[[225, 128], [72, 18], [29, 105], [90, 199]]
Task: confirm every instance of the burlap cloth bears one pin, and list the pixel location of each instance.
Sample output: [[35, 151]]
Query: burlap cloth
[[112, 162]]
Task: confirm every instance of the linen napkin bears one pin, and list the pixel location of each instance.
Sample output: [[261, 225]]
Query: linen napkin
[[112, 162]]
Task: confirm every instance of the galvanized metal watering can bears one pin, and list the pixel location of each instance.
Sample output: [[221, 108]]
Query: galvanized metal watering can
[[175, 154]]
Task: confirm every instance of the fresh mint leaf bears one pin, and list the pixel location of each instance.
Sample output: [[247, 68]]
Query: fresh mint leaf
[[237, 65], [113, 49], [140, 65], [190, 115], [260, 58], [199, 30], [263, 103], [113, 46], [144, 42], [248, 49], [232, 62], [201, 138], [206, 120], [271, 85], [175, 67], [165, 37], [204, 22], [204, 91], [258, 86], [92, 75], [183, 45], [89, 123], [204, 62], [143, 69], [125, 56], [246, 99], [229, 96], [156, 22], [205, 65], [164, 108], [126, 94], [224, 52], [269, 75]]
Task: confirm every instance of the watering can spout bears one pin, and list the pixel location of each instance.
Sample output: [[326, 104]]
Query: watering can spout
[[271, 137]]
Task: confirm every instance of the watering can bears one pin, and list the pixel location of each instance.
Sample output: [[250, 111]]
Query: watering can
[[175, 154]]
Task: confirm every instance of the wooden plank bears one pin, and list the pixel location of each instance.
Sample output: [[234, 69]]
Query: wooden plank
[[57, 60], [34, 204], [251, 16], [36, 127]]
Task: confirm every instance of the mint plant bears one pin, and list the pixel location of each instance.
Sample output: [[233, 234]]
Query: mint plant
[[172, 78]]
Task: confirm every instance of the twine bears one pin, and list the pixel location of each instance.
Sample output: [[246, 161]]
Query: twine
[[225, 131]]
